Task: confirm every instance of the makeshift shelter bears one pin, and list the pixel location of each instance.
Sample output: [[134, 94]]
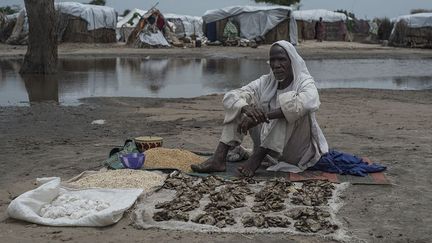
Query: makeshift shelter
[[76, 23], [149, 31], [7, 23], [128, 23], [186, 25], [335, 24], [414, 30], [268, 23]]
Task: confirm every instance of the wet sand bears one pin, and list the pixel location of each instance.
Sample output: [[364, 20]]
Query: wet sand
[[390, 127]]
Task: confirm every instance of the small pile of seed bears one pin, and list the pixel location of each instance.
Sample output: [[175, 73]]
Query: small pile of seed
[[171, 158], [313, 193], [272, 196], [262, 221], [125, 178], [312, 220]]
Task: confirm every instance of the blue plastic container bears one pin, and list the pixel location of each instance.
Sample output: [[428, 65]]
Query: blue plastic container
[[133, 160]]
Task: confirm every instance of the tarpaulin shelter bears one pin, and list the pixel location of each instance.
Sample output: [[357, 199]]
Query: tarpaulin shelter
[[270, 23], [149, 31], [334, 23], [7, 23], [76, 23], [128, 23], [414, 30], [186, 25]]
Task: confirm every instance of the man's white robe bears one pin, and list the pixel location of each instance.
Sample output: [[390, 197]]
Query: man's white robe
[[297, 139]]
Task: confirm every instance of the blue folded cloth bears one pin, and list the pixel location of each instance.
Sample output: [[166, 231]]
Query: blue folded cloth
[[345, 164]]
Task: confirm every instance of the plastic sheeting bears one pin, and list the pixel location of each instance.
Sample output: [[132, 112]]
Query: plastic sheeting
[[192, 24], [153, 39], [416, 20], [254, 21], [315, 14], [96, 16], [130, 17], [27, 206]]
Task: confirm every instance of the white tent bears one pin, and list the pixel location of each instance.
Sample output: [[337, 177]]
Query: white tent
[[418, 20], [96, 16], [255, 21], [190, 25], [315, 14]]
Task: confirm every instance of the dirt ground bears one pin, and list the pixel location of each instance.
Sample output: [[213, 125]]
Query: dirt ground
[[390, 127]]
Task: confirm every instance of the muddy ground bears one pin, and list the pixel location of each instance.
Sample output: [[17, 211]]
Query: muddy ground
[[391, 127]]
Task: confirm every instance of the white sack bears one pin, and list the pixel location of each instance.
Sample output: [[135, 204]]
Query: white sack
[[27, 206]]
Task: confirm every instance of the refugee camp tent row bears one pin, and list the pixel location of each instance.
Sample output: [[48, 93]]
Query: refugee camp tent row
[[76, 23], [414, 30], [268, 23], [174, 31], [335, 24]]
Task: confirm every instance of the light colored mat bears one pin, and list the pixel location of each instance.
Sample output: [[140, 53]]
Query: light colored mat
[[146, 208]]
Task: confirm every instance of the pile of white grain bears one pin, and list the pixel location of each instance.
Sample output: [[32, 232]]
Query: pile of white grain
[[124, 178], [72, 207], [171, 158]]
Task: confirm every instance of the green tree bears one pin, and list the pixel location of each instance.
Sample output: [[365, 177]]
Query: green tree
[[9, 9], [279, 2], [98, 2]]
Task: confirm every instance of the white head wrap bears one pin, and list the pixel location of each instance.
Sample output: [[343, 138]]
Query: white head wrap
[[300, 71]]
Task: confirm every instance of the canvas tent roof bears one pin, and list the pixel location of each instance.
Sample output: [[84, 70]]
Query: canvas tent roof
[[254, 21], [222, 13], [130, 16], [96, 16], [315, 14], [192, 24], [418, 20]]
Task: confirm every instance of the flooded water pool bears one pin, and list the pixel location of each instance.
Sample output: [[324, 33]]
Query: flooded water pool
[[173, 78]]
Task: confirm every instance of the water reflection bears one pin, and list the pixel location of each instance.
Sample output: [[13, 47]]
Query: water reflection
[[41, 87], [177, 77]]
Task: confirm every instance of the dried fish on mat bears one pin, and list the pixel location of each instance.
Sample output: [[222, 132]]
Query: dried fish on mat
[[168, 215], [219, 219], [313, 193], [262, 221], [312, 220], [272, 196]]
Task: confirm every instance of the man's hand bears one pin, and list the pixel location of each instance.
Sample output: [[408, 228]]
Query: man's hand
[[255, 113], [245, 124]]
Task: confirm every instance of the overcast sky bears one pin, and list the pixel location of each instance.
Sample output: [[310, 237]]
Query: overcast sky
[[361, 8]]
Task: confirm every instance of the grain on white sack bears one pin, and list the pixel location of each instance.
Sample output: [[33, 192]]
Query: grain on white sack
[[124, 178]]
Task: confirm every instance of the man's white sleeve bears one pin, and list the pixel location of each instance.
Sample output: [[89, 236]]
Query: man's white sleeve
[[295, 105]]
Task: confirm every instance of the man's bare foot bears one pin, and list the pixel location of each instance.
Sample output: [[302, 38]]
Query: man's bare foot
[[252, 164], [214, 164], [210, 165]]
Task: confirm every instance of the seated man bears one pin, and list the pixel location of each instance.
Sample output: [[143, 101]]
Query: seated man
[[278, 110]]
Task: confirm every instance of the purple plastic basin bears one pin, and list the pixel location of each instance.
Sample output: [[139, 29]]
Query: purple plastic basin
[[133, 160]]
